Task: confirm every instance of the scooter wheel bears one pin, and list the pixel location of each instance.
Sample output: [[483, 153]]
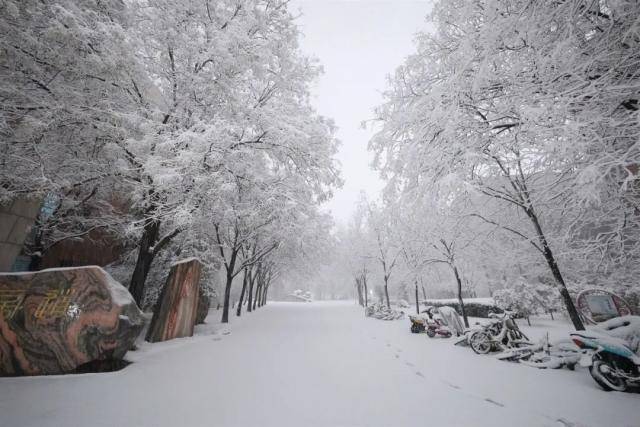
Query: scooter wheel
[[431, 333], [601, 371], [416, 329], [480, 343]]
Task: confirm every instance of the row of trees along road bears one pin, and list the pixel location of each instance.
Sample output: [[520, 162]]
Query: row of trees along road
[[182, 128], [509, 142]]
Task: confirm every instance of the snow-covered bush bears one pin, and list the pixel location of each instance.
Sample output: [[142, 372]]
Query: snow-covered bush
[[528, 299], [380, 311], [302, 295], [475, 307]]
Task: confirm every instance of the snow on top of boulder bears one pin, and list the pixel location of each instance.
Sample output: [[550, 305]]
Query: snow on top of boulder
[[119, 294], [25, 273], [182, 261]]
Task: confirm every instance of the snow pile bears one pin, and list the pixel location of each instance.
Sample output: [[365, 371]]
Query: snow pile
[[186, 260], [302, 295], [380, 311], [119, 294], [551, 355]]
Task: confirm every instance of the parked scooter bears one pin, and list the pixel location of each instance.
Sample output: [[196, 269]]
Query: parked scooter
[[501, 333], [612, 363], [436, 327], [418, 323], [431, 322]]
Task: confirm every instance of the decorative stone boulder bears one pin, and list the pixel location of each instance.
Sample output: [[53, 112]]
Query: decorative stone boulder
[[203, 306], [174, 316], [59, 321]]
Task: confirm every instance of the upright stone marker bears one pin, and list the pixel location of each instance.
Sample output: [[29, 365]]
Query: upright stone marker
[[54, 321], [175, 313]]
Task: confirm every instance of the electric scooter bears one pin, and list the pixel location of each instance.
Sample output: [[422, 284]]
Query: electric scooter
[[612, 364]]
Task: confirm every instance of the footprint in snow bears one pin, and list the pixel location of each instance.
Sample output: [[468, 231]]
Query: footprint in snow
[[217, 339], [397, 356], [418, 373], [451, 385], [494, 402], [388, 345], [409, 364], [565, 423]]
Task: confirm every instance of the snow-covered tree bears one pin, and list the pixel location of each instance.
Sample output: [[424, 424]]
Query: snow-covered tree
[[382, 224], [71, 87], [511, 99], [181, 126], [233, 89]]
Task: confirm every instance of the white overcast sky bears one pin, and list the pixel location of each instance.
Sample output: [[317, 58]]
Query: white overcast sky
[[358, 43]]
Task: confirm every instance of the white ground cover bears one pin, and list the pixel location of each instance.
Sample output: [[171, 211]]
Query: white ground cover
[[316, 364]]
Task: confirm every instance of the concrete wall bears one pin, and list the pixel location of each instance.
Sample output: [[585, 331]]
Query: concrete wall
[[16, 220]]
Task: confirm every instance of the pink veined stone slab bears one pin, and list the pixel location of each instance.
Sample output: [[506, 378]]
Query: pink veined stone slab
[[174, 315]]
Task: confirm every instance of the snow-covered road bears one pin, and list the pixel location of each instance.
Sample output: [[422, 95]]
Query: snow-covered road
[[318, 364]]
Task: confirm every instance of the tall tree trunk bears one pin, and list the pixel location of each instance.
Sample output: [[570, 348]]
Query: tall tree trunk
[[244, 289], [555, 271], [460, 300], [386, 291], [230, 267], [227, 295], [252, 279], [256, 300], [417, 300], [146, 255], [359, 290], [264, 293], [424, 293], [366, 291], [259, 291]]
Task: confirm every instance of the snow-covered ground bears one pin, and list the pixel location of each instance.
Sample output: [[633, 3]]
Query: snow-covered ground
[[315, 364]]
